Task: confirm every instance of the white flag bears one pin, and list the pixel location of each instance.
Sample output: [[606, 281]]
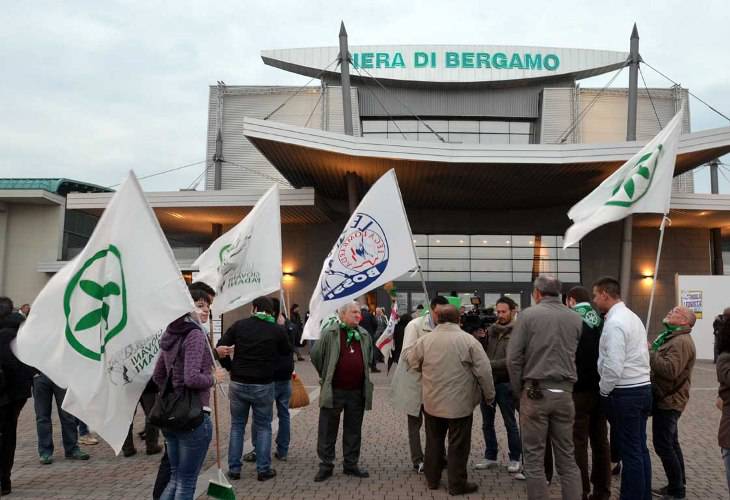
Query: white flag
[[385, 343], [245, 263], [375, 247], [641, 185], [95, 328]]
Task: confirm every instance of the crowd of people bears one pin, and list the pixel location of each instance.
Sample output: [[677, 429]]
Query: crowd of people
[[567, 376]]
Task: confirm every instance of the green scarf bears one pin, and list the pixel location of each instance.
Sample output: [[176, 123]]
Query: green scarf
[[589, 315], [662, 337], [264, 317], [352, 333]]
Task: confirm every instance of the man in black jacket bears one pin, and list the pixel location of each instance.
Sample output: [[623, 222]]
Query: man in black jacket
[[16, 380], [590, 422], [257, 344]]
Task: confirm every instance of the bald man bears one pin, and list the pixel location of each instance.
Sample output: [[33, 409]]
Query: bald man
[[456, 374], [671, 357]]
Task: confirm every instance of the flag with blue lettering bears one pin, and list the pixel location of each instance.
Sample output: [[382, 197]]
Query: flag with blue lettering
[[375, 247]]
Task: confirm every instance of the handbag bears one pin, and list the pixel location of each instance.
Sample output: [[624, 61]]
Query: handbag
[[299, 396], [176, 410]]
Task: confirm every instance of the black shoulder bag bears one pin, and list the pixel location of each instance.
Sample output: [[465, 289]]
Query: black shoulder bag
[[176, 410]]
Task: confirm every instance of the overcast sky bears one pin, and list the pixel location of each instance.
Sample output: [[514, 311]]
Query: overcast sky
[[92, 89]]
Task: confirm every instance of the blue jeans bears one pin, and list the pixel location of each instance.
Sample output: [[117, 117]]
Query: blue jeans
[[282, 395], [666, 445], [186, 451], [83, 428], [44, 391], [503, 399], [628, 410], [726, 460], [243, 397]]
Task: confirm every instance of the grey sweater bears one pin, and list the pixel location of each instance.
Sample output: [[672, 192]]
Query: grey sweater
[[543, 345]]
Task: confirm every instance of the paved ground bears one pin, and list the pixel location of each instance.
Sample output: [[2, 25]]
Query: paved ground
[[384, 453]]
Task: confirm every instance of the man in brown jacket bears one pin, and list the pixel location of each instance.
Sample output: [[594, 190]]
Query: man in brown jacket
[[541, 364], [455, 375], [671, 357]]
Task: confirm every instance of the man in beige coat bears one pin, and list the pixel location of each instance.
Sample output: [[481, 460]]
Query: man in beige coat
[[455, 375], [406, 385]]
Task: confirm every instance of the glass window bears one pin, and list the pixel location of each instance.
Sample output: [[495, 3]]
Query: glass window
[[429, 137], [569, 253], [493, 139], [503, 277], [422, 252], [523, 241], [519, 139], [401, 299], [522, 277], [442, 252], [448, 265], [463, 138], [374, 126], [403, 125], [416, 299], [420, 240], [406, 136], [519, 127], [569, 277], [456, 240], [568, 266], [523, 253], [494, 127], [491, 265], [491, 253], [464, 126], [437, 125], [522, 265], [449, 276]]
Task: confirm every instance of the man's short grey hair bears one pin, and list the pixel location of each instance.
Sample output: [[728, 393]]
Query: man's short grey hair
[[548, 285], [347, 306]]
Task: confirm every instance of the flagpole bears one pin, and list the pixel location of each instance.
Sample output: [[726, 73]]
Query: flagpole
[[665, 219], [413, 247]]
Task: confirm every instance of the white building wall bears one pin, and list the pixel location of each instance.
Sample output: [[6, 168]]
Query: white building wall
[[36, 233]]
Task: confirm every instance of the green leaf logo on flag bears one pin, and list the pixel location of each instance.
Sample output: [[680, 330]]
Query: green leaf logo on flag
[[637, 181], [96, 307]]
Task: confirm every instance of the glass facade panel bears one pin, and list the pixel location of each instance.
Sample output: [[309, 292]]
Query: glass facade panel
[[493, 139], [491, 253], [491, 265], [403, 125], [369, 126], [463, 138], [464, 126], [439, 252], [437, 125], [519, 127], [495, 257], [448, 265], [493, 127], [456, 240], [519, 139]]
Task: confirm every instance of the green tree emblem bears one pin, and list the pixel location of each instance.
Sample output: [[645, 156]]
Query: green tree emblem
[[98, 317], [637, 181]]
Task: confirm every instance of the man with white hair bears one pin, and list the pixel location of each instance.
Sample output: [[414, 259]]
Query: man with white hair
[[341, 357], [671, 358]]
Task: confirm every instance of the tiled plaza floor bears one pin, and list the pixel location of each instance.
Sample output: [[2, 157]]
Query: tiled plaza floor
[[384, 454]]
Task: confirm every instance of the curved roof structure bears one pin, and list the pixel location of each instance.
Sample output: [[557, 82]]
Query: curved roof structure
[[450, 64], [459, 176]]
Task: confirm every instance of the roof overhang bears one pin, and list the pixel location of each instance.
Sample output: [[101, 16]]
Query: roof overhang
[[32, 196], [195, 211], [438, 175]]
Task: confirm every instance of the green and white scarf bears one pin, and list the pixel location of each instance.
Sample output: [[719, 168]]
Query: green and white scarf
[[264, 317], [662, 337], [352, 333], [589, 315]]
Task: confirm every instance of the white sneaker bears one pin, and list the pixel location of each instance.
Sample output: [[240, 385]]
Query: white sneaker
[[88, 440], [520, 476], [486, 464], [514, 466]]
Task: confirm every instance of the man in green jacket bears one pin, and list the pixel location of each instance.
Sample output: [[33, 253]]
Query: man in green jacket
[[341, 357]]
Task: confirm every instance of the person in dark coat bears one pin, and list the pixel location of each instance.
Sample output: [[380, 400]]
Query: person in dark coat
[[369, 323], [16, 380], [398, 333]]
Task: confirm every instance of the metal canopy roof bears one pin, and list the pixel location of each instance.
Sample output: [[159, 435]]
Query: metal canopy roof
[[459, 176], [57, 186]]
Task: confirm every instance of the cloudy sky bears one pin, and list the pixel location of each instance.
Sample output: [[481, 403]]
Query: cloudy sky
[[92, 89]]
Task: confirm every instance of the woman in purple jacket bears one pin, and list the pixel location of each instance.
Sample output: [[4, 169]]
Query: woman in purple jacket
[[184, 350]]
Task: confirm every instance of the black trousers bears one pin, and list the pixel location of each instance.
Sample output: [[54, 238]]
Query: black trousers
[[458, 431], [8, 436], [666, 445], [151, 432], [352, 404]]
